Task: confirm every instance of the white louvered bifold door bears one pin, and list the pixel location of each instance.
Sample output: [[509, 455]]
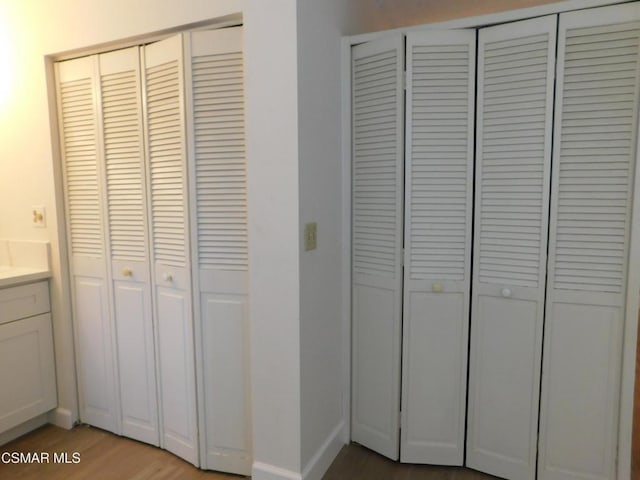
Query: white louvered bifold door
[[376, 236], [215, 98], [513, 151], [83, 185], [169, 233], [121, 125], [594, 163], [438, 213]]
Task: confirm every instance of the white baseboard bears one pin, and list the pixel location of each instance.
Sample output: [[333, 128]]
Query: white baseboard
[[326, 454], [61, 417], [314, 469], [264, 471]]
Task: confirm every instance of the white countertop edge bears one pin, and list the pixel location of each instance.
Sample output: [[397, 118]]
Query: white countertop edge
[[13, 276]]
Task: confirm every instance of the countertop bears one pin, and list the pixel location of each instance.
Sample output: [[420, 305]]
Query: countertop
[[23, 262], [11, 276]]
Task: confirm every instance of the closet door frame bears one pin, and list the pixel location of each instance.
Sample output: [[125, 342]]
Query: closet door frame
[[633, 277]]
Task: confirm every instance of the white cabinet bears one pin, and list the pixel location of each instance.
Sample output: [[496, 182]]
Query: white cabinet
[[153, 158], [27, 367]]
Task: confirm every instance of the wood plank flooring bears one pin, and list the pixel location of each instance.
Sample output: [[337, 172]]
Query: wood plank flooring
[[355, 462], [103, 456]]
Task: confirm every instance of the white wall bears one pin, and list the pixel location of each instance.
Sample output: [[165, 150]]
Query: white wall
[[320, 28], [29, 30], [274, 302], [374, 15]]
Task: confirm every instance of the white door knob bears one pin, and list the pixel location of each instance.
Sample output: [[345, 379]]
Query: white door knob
[[506, 292], [167, 277]]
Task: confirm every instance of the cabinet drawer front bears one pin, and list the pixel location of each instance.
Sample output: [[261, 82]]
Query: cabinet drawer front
[[23, 301]]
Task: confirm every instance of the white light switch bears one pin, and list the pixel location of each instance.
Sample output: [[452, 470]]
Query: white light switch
[[38, 217]]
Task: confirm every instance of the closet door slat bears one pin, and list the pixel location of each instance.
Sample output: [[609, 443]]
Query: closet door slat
[[594, 166], [377, 191], [516, 65], [437, 275]]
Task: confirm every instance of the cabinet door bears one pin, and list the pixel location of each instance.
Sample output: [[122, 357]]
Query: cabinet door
[[27, 370], [121, 126], [594, 164], [215, 100], [437, 276], [169, 229], [83, 186], [376, 270], [514, 114]]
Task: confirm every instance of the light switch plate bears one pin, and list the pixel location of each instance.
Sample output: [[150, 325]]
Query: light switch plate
[[38, 217], [310, 236]]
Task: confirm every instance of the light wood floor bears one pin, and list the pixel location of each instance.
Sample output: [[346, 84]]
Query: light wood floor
[[103, 456]]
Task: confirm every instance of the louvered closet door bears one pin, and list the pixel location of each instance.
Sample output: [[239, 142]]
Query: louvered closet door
[[437, 275], [514, 114], [219, 225], [126, 214], [166, 158], [594, 163], [78, 120], [376, 292]]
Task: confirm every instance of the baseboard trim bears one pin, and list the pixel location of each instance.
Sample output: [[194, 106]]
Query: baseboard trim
[[264, 471], [326, 454], [61, 417], [314, 469]]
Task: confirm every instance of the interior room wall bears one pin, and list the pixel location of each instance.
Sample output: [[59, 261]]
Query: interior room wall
[[320, 28], [274, 300], [387, 14], [30, 30]]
